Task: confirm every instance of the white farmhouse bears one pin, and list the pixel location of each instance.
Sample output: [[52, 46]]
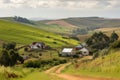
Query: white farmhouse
[[84, 51]]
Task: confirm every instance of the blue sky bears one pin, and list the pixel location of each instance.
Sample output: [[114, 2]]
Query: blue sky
[[53, 9]]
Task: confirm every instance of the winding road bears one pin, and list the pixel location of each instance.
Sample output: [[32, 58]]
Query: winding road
[[56, 70]]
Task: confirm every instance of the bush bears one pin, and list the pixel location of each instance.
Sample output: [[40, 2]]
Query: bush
[[95, 55], [9, 55], [75, 38], [54, 42], [48, 37], [44, 63], [34, 64], [115, 44]]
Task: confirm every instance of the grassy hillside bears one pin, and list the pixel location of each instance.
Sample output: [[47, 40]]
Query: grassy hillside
[[53, 28], [24, 34], [45, 25], [93, 22], [87, 23], [67, 25], [107, 66]]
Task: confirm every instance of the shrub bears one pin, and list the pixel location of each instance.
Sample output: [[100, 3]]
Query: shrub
[[9, 55], [44, 63], [115, 44], [54, 42], [48, 37]]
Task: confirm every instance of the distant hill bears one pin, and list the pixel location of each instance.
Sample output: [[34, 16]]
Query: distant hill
[[70, 26], [88, 23], [62, 23], [25, 34], [94, 22], [38, 18]]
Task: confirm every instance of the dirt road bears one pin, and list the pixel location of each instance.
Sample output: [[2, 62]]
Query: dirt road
[[56, 70]]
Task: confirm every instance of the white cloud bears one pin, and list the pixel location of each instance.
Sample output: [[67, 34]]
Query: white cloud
[[66, 4]]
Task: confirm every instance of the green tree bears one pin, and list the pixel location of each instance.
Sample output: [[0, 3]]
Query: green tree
[[9, 55], [114, 36], [98, 41]]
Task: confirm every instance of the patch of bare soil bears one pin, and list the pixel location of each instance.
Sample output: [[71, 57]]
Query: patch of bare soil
[[62, 23]]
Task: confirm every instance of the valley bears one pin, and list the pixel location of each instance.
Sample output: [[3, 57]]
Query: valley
[[46, 63]]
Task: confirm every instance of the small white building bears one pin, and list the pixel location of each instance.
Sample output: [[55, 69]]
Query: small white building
[[84, 51], [66, 52]]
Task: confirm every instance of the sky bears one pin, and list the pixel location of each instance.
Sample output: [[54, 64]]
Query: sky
[[54, 9]]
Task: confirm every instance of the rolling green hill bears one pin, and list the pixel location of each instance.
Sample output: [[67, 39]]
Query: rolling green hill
[[24, 34], [56, 28]]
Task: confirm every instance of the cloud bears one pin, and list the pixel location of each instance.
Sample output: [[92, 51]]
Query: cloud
[[64, 4]]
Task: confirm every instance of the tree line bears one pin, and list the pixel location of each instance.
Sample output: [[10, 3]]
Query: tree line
[[99, 41]]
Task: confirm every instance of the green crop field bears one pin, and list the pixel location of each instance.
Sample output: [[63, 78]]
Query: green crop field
[[24, 34]]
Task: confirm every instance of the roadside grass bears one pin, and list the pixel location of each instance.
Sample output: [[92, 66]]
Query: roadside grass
[[107, 66], [7, 73], [89, 73], [39, 76], [19, 73]]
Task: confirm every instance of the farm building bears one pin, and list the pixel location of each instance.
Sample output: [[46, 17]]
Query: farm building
[[66, 52], [37, 45], [82, 45], [78, 51], [78, 47], [84, 51]]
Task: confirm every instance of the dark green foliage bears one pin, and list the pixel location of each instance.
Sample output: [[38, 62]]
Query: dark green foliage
[[95, 55], [23, 20], [114, 36], [89, 41], [9, 46], [65, 37], [100, 41], [116, 44], [54, 42], [43, 63], [74, 37], [48, 37], [80, 31], [9, 55]]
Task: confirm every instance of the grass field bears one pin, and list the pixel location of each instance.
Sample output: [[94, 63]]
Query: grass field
[[107, 66], [24, 34], [54, 28], [39, 76], [6, 73]]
